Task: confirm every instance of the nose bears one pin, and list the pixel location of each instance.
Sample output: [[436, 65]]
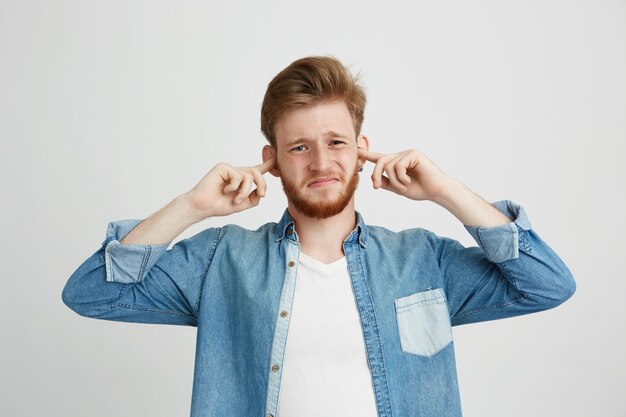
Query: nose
[[321, 159]]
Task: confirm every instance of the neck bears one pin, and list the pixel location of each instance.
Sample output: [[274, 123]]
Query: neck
[[323, 239]]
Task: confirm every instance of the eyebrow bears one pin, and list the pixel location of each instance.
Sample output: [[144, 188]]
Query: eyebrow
[[330, 133]]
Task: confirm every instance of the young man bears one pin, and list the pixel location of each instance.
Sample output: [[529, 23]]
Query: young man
[[320, 313]]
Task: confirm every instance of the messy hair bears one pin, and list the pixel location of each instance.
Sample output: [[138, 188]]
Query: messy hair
[[308, 81]]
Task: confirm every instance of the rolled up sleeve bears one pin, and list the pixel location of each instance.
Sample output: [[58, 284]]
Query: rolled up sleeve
[[501, 243], [512, 272], [142, 283], [128, 264]]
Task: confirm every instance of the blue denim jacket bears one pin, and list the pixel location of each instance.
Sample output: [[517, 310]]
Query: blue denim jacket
[[237, 285]]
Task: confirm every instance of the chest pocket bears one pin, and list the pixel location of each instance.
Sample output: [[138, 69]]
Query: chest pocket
[[423, 322]]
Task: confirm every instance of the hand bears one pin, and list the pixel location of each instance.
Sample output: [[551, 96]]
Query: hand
[[409, 173], [226, 189]]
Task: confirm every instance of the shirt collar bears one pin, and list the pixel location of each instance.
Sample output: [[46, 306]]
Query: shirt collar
[[286, 226]]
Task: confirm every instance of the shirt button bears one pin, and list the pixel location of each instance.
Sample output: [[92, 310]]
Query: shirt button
[[289, 231], [275, 368], [283, 313], [291, 264]]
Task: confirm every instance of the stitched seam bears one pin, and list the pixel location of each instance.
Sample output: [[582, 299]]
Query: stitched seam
[[119, 296], [153, 310], [511, 279], [432, 354], [492, 307], [424, 302], [218, 233], [107, 263], [382, 375], [482, 244], [144, 261]]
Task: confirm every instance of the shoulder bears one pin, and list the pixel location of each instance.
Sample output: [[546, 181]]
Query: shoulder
[[385, 236], [235, 229], [237, 233], [414, 246], [416, 239], [212, 236]]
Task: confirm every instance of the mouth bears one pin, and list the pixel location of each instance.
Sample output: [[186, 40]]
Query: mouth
[[321, 182]]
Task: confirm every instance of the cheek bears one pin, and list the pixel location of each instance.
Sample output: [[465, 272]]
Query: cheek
[[349, 161], [287, 169]]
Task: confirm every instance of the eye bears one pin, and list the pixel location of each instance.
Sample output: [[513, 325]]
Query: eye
[[298, 148], [338, 142]]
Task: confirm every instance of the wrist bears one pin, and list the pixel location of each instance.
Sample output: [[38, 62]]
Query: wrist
[[189, 211], [164, 225], [449, 193], [470, 208]]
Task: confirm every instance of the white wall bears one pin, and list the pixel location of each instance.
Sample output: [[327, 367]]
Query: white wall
[[109, 109]]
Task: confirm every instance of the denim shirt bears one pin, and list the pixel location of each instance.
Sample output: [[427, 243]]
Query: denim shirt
[[237, 286]]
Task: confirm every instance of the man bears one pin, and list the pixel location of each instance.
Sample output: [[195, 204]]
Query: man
[[320, 313]]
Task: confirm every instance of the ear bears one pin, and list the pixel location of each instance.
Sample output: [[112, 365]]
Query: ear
[[267, 153], [362, 142]]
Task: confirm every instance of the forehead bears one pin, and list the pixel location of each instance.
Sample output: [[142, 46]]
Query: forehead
[[314, 122]]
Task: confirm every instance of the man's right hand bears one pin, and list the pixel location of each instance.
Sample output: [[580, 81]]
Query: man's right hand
[[226, 189]]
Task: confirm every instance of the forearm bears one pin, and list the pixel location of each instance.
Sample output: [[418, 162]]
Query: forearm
[[164, 225], [470, 208]]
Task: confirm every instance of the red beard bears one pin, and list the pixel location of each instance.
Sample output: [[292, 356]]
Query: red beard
[[320, 209]]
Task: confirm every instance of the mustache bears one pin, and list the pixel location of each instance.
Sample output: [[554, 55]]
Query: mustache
[[341, 176], [326, 175]]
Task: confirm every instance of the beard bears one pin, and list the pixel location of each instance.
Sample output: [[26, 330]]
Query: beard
[[322, 208]]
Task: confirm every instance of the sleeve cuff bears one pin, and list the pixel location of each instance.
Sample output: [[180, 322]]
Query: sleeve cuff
[[128, 263], [501, 243]]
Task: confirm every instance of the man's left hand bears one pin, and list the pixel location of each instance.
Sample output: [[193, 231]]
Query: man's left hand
[[409, 173]]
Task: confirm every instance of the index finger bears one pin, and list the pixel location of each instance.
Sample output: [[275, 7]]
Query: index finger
[[369, 156], [267, 165]]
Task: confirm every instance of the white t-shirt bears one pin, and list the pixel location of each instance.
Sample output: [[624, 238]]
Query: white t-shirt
[[325, 369]]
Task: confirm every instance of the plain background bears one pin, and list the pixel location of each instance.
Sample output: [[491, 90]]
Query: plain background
[[109, 109]]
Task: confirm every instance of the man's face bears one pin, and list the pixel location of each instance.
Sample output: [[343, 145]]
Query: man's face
[[317, 158]]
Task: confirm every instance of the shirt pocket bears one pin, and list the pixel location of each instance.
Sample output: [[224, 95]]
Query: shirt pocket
[[423, 322]]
